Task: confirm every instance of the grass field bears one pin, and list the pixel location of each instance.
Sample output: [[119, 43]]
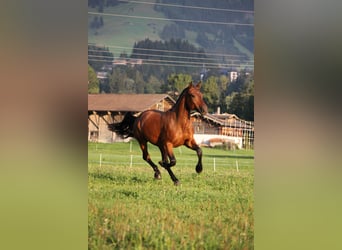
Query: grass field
[[128, 209]]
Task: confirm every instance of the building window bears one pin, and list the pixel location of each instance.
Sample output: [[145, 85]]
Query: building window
[[94, 135]]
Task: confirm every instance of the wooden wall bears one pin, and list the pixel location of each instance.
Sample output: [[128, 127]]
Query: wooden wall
[[98, 123]]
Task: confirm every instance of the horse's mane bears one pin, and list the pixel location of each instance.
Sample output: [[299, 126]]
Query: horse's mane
[[180, 98]]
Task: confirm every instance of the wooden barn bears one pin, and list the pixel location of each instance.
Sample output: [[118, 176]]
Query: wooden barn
[[108, 108], [223, 128]]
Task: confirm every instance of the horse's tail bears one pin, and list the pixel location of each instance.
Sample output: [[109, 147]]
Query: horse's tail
[[124, 128]]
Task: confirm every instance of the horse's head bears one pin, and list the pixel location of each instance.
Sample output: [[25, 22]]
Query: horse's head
[[194, 99]]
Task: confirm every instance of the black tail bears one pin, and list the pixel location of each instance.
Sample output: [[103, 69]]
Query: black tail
[[124, 128]]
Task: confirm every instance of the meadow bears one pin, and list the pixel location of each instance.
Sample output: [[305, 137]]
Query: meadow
[[128, 209]]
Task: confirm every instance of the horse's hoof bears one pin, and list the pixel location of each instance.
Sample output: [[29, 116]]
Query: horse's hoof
[[157, 176], [177, 183], [199, 169]]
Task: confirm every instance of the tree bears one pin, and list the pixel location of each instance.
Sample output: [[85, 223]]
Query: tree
[[123, 55], [211, 93], [172, 31], [129, 86], [165, 49], [243, 106], [93, 82], [99, 57], [228, 100], [139, 82], [154, 85], [237, 105], [179, 82], [249, 113], [223, 82], [117, 81]]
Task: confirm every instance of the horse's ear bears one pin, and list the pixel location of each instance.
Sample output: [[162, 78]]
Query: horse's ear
[[199, 84], [190, 84]]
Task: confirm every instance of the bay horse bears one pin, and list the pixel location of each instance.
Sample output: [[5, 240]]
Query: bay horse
[[166, 130]]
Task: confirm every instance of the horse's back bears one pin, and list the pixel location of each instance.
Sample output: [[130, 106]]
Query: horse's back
[[148, 126]]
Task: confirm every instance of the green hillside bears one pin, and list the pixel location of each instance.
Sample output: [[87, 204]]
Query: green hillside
[[125, 31]]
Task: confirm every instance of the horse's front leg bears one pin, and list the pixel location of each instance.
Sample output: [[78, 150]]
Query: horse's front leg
[[193, 145]]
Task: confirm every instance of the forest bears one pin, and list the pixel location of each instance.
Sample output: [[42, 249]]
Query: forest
[[224, 35]]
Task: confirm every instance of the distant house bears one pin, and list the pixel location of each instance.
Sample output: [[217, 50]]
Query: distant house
[[120, 62], [135, 61], [233, 76], [108, 108], [130, 61], [102, 75]]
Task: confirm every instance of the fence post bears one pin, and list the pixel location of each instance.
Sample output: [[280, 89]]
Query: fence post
[[131, 163], [214, 164]]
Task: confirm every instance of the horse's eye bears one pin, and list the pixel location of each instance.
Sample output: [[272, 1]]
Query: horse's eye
[[192, 96]]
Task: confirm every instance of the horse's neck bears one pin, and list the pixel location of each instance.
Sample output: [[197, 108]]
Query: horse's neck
[[182, 114]]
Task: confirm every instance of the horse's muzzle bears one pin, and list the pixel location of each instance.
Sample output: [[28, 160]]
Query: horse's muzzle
[[203, 109]]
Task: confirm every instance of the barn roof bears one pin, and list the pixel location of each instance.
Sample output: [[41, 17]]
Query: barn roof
[[231, 120], [125, 102]]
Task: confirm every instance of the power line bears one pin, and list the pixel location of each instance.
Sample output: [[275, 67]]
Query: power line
[[177, 63], [170, 61], [180, 65], [169, 19], [183, 57], [169, 56], [170, 51], [188, 6], [207, 67]]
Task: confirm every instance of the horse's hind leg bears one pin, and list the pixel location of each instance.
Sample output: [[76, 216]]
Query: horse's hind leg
[[147, 158], [167, 152]]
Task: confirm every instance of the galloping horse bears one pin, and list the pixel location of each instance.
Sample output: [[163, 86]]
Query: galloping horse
[[166, 130]]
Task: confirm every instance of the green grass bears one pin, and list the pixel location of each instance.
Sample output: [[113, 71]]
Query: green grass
[[128, 209]]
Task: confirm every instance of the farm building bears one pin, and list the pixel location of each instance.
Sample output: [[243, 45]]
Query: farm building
[[211, 130], [108, 108], [223, 128]]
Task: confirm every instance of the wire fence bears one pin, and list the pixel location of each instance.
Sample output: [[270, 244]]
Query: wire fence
[[214, 163]]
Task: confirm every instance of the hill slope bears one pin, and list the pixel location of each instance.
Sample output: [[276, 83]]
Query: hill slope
[[122, 32]]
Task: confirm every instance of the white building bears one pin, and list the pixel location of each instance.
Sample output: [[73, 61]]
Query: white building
[[233, 75]]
